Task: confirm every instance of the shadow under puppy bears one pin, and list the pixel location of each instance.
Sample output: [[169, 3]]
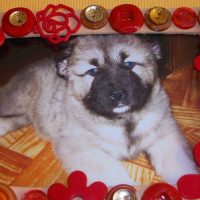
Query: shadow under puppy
[[102, 103]]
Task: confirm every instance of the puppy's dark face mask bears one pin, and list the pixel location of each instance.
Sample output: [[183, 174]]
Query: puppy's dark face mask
[[116, 91], [111, 75]]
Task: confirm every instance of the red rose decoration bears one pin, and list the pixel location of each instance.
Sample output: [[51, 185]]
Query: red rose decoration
[[77, 188], [56, 20]]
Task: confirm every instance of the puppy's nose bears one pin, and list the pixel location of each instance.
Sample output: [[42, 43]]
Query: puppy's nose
[[117, 95]]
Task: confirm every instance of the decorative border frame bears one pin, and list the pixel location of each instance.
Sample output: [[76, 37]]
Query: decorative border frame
[[108, 30]]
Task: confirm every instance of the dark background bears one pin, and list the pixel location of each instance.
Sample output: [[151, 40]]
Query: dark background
[[178, 51]]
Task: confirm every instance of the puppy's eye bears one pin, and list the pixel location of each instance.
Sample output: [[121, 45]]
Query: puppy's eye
[[92, 72], [129, 65]]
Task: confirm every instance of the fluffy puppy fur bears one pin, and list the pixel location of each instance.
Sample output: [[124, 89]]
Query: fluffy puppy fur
[[102, 103]]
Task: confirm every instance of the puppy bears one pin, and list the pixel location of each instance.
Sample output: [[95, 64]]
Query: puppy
[[102, 103]]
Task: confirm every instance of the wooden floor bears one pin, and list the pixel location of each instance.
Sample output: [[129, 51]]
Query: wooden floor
[[27, 160]]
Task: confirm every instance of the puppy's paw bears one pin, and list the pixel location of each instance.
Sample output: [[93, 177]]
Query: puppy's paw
[[171, 157], [176, 166], [101, 168], [172, 175], [96, 164], [110, 176]]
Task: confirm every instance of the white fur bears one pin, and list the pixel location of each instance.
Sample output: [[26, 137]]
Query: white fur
[[121, 109]]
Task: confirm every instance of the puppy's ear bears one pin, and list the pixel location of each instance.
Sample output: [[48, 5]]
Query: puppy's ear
[[157, 43], [62, 61], [61, 65], [154, 42], [155, 47]]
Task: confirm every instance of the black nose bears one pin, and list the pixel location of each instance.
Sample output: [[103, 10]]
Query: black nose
[[117, 95]]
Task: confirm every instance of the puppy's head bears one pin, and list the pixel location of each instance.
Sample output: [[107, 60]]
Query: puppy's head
[[111, 74]]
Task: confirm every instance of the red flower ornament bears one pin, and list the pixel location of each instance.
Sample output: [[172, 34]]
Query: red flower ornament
[[77, 187], [54, 21]]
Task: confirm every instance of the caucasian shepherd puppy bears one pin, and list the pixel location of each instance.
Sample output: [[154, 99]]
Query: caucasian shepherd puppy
[[100, 104]]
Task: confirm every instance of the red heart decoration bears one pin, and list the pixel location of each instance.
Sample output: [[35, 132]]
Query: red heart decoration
[[189, 186], [196, 152]]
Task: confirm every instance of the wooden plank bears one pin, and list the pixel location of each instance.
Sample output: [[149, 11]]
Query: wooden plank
[[141, 175], [183, 87], [187, 116], [45, 169], [29, 144], [11, 164], [10, 138]]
